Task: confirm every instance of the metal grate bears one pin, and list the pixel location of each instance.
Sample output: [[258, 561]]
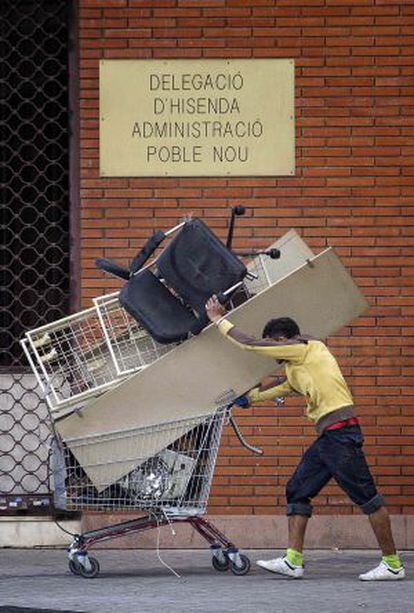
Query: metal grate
[[34, 227], [23, 445], [34, 126]]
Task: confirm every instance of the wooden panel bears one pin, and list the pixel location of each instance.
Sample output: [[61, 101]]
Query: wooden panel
[[189, 381]]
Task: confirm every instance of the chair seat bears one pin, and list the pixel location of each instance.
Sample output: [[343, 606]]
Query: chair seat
[[158, 311]]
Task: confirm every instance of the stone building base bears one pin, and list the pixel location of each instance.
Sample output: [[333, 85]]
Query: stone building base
[[247, 532]]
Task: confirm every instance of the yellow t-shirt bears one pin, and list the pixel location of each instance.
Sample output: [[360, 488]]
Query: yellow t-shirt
[[311, 370]]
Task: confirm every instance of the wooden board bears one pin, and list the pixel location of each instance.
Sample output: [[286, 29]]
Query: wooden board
[[190, 380], [293, 253]]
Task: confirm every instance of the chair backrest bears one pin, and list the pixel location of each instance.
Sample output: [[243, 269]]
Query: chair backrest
[[196, 265]]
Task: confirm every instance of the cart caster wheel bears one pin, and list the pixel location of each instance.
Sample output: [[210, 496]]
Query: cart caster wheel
[[220, 565], [92, 572], [74, 567], [241, 570]]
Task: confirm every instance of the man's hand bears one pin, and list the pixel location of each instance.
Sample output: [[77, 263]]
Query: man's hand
[[243, 402], [214, 309]]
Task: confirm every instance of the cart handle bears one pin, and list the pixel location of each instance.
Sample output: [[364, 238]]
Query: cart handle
[[242, 440]]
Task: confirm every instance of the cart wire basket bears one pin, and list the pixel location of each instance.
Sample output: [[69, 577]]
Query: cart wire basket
[[175, 478], [71, 359]]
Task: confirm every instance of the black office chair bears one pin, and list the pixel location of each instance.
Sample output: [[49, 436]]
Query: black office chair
[[170, 304]]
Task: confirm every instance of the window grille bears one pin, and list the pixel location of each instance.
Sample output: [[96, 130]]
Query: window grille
[[34, 228]]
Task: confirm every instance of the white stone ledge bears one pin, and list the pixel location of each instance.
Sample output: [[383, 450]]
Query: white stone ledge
[[35, 532]]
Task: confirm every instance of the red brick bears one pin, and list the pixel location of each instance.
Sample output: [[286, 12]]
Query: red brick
[[353, 189]]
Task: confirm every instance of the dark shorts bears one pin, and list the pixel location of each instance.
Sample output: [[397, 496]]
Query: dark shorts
[[337, 454]]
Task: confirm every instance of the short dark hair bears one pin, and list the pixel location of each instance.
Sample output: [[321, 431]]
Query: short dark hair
[[282, 326]]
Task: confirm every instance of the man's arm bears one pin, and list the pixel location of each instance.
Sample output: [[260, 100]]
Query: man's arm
[[289, 350], [278, 391]]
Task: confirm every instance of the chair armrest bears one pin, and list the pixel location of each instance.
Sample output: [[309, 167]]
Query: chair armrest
[[112, 268], [147, 251]]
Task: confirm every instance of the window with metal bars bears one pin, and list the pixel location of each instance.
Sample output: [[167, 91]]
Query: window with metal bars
[[34, 216], [34, 169]]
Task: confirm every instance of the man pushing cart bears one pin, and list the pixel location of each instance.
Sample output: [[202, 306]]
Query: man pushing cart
[[312, 371]]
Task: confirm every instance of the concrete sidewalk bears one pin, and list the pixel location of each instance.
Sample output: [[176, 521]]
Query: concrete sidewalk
[[136, 582]]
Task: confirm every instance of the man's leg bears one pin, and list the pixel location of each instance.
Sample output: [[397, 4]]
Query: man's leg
[[342, 451], [306, 482], [308, 479], [381, 525], [297, 529]]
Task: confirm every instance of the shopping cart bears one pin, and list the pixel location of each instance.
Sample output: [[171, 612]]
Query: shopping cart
[[171, 487], [81, 356], [165, 469]]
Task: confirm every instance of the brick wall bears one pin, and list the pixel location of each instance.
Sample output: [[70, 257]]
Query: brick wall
[[353, 190]]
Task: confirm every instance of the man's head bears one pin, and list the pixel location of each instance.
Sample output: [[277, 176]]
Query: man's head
[[280, 328]]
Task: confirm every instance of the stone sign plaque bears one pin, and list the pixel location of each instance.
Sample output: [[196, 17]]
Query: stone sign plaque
[[197, 118]]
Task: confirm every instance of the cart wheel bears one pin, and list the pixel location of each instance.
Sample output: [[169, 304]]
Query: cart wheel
[[241, 570], [74, 567], [92, 572], [220, 565]]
